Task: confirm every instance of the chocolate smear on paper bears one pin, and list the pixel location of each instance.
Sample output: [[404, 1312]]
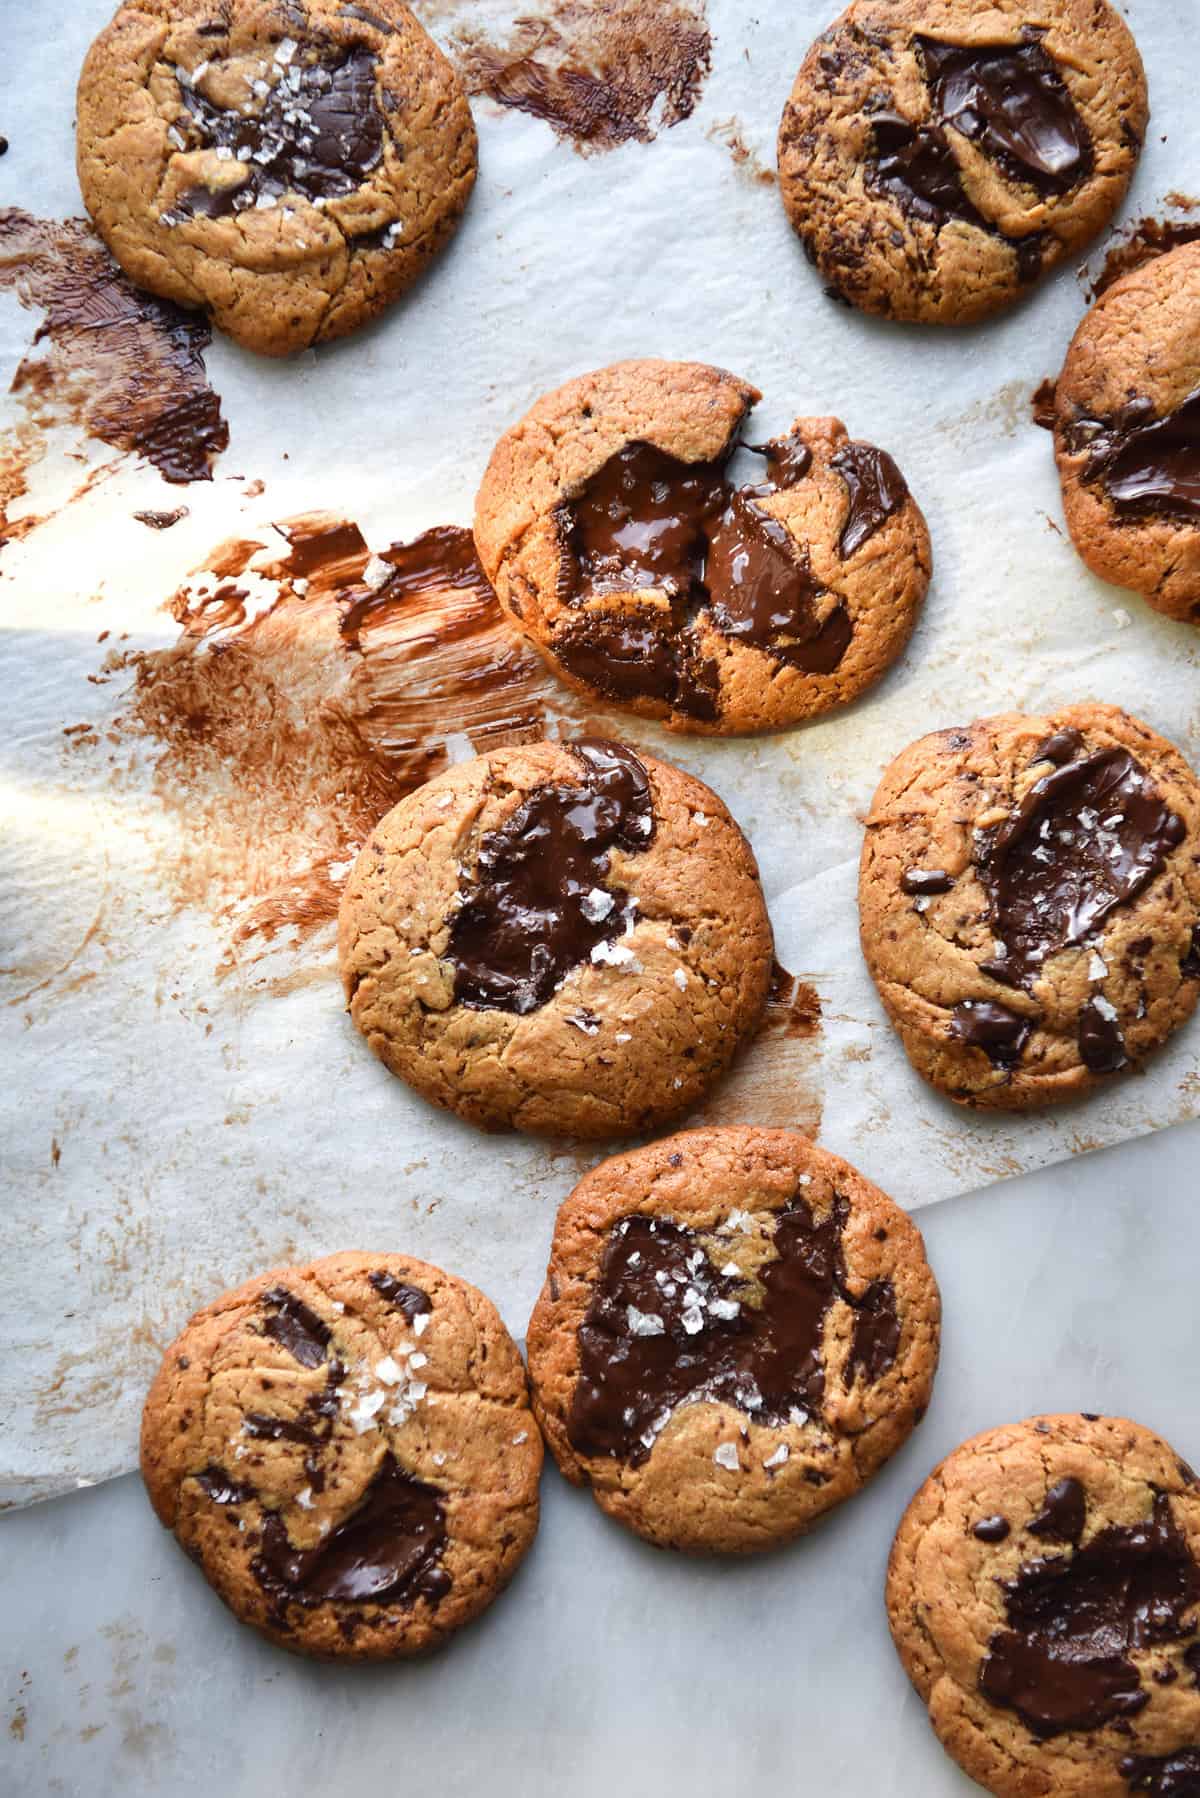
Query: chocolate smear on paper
[[117, 364], [1143, 241]]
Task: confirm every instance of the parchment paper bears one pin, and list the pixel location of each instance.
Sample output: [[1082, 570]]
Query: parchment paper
[[168, 1131]]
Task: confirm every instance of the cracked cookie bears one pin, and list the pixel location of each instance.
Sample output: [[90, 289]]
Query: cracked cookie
[[736, 1331], [937, 156], [564, 938], [290, 166], [1029, 898], [1127, 434], [1044, 1596], [616, 538], [346, 1450]]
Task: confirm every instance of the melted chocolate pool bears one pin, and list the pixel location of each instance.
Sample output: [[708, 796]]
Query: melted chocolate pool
[[665, 1328], [647, 520], [1074, 1620], [1147, 466], [540, 902]]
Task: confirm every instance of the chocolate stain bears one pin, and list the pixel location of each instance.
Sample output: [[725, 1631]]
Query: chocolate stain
[[729, 132], [1141, 242], [122, 366], [774, 1080], [599, 72], [1043, 402], [287, 731]]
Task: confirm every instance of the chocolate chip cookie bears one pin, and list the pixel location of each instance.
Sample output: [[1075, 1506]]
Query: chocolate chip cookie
[[735, 1332], [346, 1450], [616, 537], [937, 156], [565, 938], [1029, 896], [1127, 434], [288, 165], [1044, 1595]]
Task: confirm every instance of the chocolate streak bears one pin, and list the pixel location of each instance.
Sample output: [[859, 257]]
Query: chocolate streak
[[664, 1328], [1064, 1661], [1147, 466], [540, 902], [647, 520]]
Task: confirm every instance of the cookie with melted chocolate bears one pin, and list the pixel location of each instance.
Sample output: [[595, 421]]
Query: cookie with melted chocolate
[[1044, 1596], [290, 167], [1029, 900], [736, 1330], [563, 938], [937, 156], [346, 1451], [660, 562], [1127, 434]]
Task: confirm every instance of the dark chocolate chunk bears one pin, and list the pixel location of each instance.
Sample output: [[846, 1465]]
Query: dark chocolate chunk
[[298, 1328], [999, 1032], [1164, 1776], [1073, 1621], [1147, 466], [762, 591], [409, 1299], [318, 133], [1060, 747], [1101, 1044], [387, 1552], [1062, 1517], [217, 1486], [664, 1328], [1014, 105], [1189, 967], [993, 1529], [540, 902], [876, 488], [924, 881]]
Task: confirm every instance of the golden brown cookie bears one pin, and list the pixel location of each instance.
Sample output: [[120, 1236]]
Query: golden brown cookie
[[346, 1450], [936, 156], [288, 165], [612, 529], [1127, 434], [735, 1332], [1044, 1595], [1029, 896], [564, 938]]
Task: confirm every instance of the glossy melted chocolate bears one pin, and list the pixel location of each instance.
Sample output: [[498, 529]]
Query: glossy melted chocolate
[[540, 902], [291, 1322], [1013, 104], [1164, 1776], [648, 520], [1073, 1620], [1147, 466], [387, 1552], [317, 133], [665, 1328]]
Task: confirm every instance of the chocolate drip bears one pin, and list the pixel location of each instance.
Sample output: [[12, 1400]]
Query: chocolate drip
[[876, 488], [1073, 1622], [540, 903], [1085, 838], [387, 1552], [318, 133], [1062, 1517], [1013, 104], [409, 1299], [1147, 466], [710, 553], [993, 1529], [664, 1328], [999, 1032], [915, 166], [298, 1328], [1164, 1776]]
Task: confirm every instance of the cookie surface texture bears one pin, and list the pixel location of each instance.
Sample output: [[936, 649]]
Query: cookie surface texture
[[1029, 895], [1127, 434], [289, 166], [937, 156], [735, 1332], [346, 1450], [651, 570], [1044, 1595], [563, 938]]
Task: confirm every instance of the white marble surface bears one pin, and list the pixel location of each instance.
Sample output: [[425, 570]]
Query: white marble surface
[[608, 1667]]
